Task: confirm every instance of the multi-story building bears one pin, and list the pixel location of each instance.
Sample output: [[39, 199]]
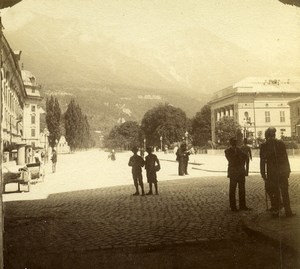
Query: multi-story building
[[13, 97], [295, 117], [32, 110], [256, 104]]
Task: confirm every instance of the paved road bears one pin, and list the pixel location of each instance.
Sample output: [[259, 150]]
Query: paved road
[[187, 210]]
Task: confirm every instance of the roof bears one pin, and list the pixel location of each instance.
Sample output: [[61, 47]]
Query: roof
[[28, 78], [295, 100], [262, 85]]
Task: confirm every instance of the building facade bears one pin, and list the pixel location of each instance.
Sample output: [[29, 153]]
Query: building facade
[[32, 111], [13, 98], [256, 104], [295, 118]]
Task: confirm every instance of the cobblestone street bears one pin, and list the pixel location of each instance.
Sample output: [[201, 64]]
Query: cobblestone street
[[187, 211]]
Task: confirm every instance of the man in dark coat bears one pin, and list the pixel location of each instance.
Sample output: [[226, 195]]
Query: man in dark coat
[[236, 173], [275, 170], [183, 159], [247, 150]]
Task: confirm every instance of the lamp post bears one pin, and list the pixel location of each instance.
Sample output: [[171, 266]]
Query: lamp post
[[161, 138], [144, 143]]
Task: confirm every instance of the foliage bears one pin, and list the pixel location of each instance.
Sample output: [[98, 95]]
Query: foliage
[[125, 135], [53, 118], [226, 128], [164, 121], [201, 126], [77, 127]]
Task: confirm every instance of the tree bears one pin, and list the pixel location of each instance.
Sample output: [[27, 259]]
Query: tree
[[125, 135], [77, 127], [226, 128], [164, 121], [53, 118], [201, 126]]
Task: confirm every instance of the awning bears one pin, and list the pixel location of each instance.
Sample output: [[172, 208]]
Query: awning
[[8, 3]]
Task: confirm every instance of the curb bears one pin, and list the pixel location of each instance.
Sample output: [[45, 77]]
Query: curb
[[252, 228]]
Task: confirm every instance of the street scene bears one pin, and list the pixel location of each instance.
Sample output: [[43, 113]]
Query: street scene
[[149, 134], [87, 214]]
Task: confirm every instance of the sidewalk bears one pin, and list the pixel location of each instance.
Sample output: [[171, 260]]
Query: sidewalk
[[282, 231]]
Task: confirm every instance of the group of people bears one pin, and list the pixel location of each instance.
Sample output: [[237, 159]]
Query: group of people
[[152, 165], [274, 168], [41, 157]]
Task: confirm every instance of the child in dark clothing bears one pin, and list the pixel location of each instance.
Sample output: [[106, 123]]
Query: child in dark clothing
[[152, 165], [137, 162]]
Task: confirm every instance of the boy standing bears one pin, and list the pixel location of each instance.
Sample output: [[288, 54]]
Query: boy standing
[[152, 166], [137, 162]]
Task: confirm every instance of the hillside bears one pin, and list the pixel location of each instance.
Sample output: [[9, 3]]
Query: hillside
[[107, 106]]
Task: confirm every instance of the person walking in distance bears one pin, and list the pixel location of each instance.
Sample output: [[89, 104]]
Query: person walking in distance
[[236, 173], [275, 170], [152, 166], [247, 150], [54, 160], [137, 162]]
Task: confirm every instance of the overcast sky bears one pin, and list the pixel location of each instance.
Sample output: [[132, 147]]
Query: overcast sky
[[266, 28]]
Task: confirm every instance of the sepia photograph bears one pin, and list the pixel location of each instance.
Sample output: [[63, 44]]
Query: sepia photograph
[[147, 134]]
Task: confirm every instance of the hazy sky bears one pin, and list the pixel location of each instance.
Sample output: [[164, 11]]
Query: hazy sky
[[266, 28]]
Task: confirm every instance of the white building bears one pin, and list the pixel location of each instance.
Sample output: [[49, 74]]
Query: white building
[[32, 110], [256, 104]]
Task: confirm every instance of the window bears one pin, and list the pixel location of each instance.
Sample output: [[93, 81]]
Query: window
[[33, 132], [32, 119], [282, 116], [32, 108], [267, 116]]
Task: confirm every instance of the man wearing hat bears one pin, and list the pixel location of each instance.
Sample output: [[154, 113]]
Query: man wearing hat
[[275, 170], [236, 173]]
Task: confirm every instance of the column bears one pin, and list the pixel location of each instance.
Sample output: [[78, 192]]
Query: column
[[231, 112], [218, 115], [21, 154], [222, 113]]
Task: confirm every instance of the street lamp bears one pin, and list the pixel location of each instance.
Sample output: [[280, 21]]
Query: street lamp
[[160, 142], [144, 143]]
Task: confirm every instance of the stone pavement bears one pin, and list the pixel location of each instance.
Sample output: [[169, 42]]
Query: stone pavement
[[73, 216]]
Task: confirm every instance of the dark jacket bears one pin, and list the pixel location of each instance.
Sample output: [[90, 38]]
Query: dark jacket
[[236, 162], [136, 162], [274, 161]]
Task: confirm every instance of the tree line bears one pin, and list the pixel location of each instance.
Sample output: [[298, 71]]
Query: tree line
[[166, 125], [73, 124]]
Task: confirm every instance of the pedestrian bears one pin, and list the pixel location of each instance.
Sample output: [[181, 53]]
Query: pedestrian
[[182, 156], [152, 166], [236, 174], [247, 150], [37, 157], [137, 162], [113, 155], [275, 171], [54, 160]]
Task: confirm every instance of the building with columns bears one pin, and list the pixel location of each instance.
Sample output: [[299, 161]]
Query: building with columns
[[256, 103], [295, 117]]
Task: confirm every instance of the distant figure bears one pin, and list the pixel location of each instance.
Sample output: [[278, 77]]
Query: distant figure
[[37, 158], [166, 149], [275, 170], [175, 149], [152, 166], [29, 155], [142, 152], [137, 162], [182, 156], [54, 160], [247, 150], [236, 173], [113, 155]]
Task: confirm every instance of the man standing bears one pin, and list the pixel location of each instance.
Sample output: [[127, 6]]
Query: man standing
[[247, 150], [275, 170], [54, 160], [236, 173], [182, 156]]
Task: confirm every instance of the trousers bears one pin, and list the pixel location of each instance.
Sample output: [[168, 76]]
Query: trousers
[[234, 182]]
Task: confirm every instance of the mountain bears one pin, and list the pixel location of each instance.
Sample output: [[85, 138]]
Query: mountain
[[64, 52]]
